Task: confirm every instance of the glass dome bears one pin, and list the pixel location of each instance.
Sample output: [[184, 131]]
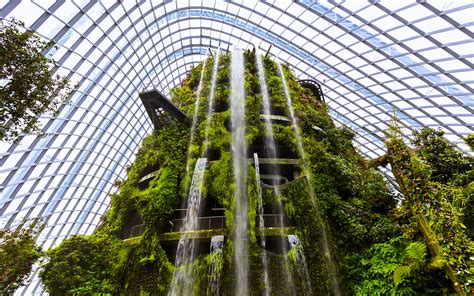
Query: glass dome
[[371, 58]]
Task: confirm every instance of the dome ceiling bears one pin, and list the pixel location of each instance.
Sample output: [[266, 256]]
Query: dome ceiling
[[371, 58]]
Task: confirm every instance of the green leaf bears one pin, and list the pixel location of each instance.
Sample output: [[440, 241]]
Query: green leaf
[[416, 251], [399, 273]]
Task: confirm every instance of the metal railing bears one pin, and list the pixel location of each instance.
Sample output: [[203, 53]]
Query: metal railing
[[273, 220], [314, 86], [218, 222], [212, 222], [204, 223]]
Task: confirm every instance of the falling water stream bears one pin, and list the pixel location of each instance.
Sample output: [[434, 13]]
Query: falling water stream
[[183, 281], [215, 268], [272, 153], [239, 163], [332, 273], [194, 122], [302, 266], [261, 225], [210, 102]]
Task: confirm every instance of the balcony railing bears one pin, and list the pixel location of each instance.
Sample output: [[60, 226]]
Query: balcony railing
[[214, 222], [204, 223], [273, 220]]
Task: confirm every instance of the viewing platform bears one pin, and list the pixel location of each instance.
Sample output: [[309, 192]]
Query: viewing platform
[[263, 161], [314, 87], [275, 225], [276, 119], [161, 111]]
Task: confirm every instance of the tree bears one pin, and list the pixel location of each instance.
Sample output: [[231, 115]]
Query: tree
[[27, 88], [436, 207], [470, 140], [80, 264], [442, 156], [18, 252]]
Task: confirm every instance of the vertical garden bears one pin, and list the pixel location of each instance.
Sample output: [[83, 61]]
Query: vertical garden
[[305, 185]]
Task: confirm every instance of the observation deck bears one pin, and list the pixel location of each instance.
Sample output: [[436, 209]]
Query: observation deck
[[314, 87], [209, 226], [160, 110]]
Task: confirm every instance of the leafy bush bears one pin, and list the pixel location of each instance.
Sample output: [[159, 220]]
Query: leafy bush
[[18, 252], [81, 263], [30, 90]]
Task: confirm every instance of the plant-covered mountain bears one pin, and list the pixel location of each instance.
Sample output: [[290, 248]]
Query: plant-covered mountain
[[300, 212]]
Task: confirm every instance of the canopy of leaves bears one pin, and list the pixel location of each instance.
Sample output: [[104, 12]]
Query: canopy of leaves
[[79, 264], [445, 160], [470, 141], [18, 252], [27, 88], [436, 181]]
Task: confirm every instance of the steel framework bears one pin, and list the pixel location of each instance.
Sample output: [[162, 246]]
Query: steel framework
[[371, 58]]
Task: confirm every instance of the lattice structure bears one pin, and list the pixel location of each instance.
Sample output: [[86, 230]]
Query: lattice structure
[[370, 57], [161, 111]]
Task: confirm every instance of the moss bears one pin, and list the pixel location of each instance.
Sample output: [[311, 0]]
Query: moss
[[435, 207], [133, 240], [275, 231], [220, 185], [145, 269], [159, 200]]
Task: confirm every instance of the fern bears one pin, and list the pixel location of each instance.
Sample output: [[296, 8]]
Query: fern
[[400, 272], [416, 251], [415, 254]]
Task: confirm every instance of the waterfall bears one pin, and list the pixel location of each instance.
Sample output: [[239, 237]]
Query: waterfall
[[332, 273], [215, 268], [194, 123], [271, 150], [239, 163], [210, 102], [261, 225], [183, 281], [300, 261]]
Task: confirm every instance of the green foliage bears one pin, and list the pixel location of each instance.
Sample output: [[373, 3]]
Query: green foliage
[[399, 273], [436, 203], [354, 200], [145, 269], [396, 268], [380, 248], [470, 141], [160, 199], [211, 265], [18, 252], [415, 254], [30, 90], [94, 287], [217, 182], [79, 264], [444, 159], [219, 136], [166, 150]]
